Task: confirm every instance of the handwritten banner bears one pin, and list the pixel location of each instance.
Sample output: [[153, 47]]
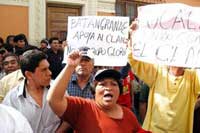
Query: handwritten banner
[[104, 35], [168, 34]]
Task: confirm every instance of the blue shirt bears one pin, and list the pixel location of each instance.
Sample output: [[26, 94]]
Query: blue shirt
[[75, 90]]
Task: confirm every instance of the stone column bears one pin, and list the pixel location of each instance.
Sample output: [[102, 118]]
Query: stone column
[[92, 7], [37, 21]]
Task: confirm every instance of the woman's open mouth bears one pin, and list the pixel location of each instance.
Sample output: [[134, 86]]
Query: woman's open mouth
[[108, 96]]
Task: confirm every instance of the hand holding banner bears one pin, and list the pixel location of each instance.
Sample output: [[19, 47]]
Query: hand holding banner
[[106, 36], [168, 34]]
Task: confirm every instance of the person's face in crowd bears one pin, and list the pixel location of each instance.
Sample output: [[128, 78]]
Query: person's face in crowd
[[1, 44], [64, 44], [43, 45], [85, 67], [10, 64], [106, 93], [60, 45], [176, 71], [55, 45], [42, 75], [20, 43], [11, 41]]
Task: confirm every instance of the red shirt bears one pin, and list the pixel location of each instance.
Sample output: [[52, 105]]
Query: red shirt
[[125, 98], [86, 117]]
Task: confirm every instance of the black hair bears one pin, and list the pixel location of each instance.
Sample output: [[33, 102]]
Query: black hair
[[8, 46], [1, 40], [44, 41], [52, 39], [20, 51], [11, 54], [21, 37], [31, 59], [119, 82], [1, 43], [8, 38], [109, 73], [2, 51]]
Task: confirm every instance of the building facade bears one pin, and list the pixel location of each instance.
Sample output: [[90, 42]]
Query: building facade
[[39, 19]]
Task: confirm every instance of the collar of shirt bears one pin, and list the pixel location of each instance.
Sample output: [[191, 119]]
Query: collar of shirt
[[74, 78], [22, 89]]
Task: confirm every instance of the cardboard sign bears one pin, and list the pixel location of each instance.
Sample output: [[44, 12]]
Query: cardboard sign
[[104, 35], [168, 34]]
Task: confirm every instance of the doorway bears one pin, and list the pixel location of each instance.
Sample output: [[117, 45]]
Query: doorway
[[57, 18]]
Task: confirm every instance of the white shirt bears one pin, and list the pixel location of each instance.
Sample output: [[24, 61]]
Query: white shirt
[[42, 119], [12, 121]]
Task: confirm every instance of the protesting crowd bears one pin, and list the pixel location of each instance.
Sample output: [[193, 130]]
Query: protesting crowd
[[42, 91]]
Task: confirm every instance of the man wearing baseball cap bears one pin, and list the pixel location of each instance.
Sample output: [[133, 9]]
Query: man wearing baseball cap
[[81, 80]]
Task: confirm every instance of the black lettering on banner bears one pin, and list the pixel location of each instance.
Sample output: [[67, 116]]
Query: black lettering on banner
[[100, 37], [178, 19], [123, 26], [103, 23], [69, 49], [91, 24], [122, 51], [155, 24], [80, 22], [142, 52], [84, 35], [118, 52], [138, 48], [188, 22], [99, 23], [73, 23], [101, 51], [90, 36], [76, 36], [157, 55], [155, 35], [190, 55], [112, 51], [164, 36], [84, 22], [118, 39], [108, 38], [161, 24], [106, 24], [115, 39], [174, 48]]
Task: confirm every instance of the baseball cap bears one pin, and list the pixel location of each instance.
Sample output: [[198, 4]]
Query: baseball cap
[[109, 73], [86, 52]]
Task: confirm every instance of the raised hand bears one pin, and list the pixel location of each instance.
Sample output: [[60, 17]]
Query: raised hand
[[132, 28], [74, 58]]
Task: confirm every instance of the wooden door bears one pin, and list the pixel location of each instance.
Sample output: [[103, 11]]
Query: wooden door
[[57, 17]]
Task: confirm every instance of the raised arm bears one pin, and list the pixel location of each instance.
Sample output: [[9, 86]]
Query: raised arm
[[56, 93], [145, 71]]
